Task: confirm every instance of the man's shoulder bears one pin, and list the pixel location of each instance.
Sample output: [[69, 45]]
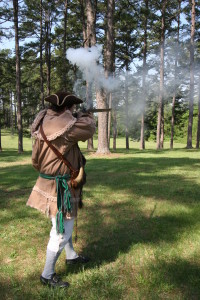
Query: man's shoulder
[[56, 125]]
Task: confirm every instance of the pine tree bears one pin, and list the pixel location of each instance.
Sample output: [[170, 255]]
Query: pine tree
[[102, 96], [198, 121], [90, 40], [41, 55], [126, 47], [175, 74], [18, 77], [191, 101], [197, 27], [144, 73], [160, 122], [198, 60]]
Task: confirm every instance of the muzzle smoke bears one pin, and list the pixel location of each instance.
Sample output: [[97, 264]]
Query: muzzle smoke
[[87, 60]]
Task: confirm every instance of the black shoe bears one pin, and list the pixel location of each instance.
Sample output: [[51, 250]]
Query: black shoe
[[54, 282], [80, 259]]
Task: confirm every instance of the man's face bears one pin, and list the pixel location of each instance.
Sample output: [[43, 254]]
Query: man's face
[[73, 108]]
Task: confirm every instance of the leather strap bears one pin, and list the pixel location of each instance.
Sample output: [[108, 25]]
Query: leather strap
[[58, 154]]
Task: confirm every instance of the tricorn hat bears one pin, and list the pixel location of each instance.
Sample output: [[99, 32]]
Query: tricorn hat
[[63, 99]]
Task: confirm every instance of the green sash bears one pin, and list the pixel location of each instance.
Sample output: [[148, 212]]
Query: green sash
[[63, 200]]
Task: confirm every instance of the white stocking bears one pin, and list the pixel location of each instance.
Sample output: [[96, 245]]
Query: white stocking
[[55, 246], [69, 249]]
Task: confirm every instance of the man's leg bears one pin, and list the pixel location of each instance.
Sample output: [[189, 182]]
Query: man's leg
[[54, 248], [49, 268], [69, 249], [71, 256]]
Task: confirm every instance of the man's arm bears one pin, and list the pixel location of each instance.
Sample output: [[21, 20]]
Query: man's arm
[[83, 129], [35, 155]]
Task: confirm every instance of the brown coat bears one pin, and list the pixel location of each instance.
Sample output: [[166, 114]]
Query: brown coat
[[63, 131]]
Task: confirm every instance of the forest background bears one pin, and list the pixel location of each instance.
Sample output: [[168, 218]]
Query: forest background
[[140, 58]]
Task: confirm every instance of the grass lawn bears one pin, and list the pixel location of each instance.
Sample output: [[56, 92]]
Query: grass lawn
[[140, 226]]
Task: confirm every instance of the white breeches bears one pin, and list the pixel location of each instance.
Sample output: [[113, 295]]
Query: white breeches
[[58, 241]]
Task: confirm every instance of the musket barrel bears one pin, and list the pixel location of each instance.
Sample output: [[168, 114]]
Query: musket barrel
[[98, 110]]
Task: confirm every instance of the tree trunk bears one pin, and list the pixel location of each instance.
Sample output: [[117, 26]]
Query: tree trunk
[[191, 103], [3, 114], [175, 78], [18, 79], [173, 120], [160, 124], [90, 41], [48, 50], [91, 20], [109, 54], [83, 22], [8, 116], [0, 126], [15, 114], [103, 144], [103, 147], [198, 126], [11, 114], [109, 117], [114, 129], [64, 75], [0, 139], [41, 57], [142, 141], [126, 114], [162, 128]]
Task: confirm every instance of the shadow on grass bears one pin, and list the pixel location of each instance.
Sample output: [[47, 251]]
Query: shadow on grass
[[28, 289], [105, 241], [181, 274], [143, 177], [111, 228], [12, 155], [17, 177], [153, 151]]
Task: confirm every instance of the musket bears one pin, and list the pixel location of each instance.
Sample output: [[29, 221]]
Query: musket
[[93, 110]]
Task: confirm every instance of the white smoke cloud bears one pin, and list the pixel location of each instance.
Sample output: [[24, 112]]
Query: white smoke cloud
[[83, 57], [87, 61]]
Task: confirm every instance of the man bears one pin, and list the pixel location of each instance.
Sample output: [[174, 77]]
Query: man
[[57, 157]]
